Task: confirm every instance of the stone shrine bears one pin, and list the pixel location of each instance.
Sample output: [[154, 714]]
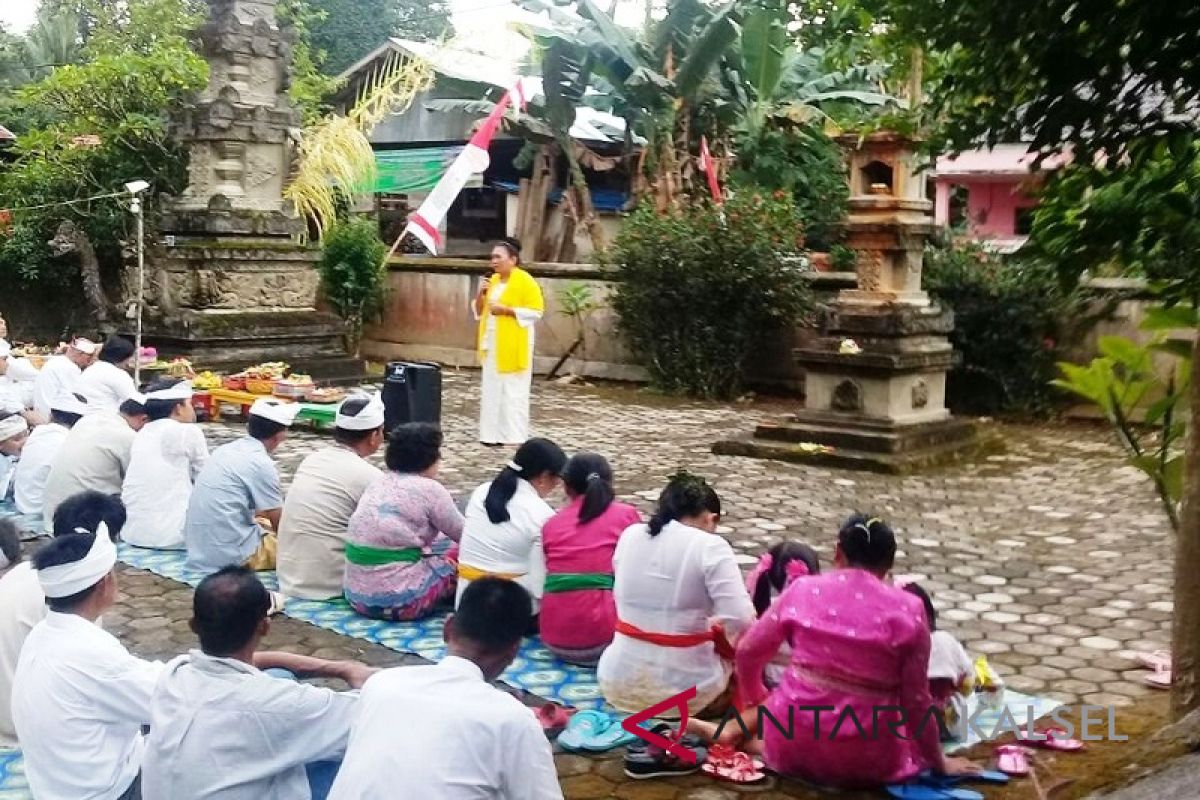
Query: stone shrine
[[232, 283], [875, 380]]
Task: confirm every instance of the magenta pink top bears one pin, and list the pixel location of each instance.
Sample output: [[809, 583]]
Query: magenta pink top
[[583, 618], [858, 646]]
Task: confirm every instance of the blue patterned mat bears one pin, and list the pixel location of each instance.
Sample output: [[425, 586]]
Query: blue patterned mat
[[13, 785], [535, 669], [29, 525]]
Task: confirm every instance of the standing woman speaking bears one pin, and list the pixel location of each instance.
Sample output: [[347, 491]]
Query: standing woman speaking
[[508, 305]]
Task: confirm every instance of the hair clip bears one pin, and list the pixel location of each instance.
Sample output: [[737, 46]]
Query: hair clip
[[795, 569], [514, 466], [866, 528], [593, 476]]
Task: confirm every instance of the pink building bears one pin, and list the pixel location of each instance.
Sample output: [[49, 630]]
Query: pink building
[[986, 194]]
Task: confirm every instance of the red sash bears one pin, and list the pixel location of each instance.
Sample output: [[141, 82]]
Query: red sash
[[716, 635]]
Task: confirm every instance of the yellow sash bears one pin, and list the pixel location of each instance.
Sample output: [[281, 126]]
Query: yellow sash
[[469, 573], [512, 340]]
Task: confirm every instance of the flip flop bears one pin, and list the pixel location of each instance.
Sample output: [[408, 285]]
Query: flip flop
[[983, 776], [738, 768], [553, 718], [1159, 679], [594, 732], [1157, 660], [919, 791], [1012, 759], [1054, 739]]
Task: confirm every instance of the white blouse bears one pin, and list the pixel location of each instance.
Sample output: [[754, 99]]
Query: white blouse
[[513, 547], [164, 461], [678, 582]]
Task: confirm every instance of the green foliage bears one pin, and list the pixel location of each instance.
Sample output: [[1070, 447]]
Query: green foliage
[[349, 29], [1065, 73], [352, 271], [1139, 218], [802, 161], [311, 86], [139, 69], [1012, 319], [698, 288], [1125, 379]]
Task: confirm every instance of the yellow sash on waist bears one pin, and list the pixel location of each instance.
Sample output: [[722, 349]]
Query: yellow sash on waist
[[467, 572]]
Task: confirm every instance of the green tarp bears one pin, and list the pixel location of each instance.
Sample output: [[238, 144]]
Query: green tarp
[[414, 171]]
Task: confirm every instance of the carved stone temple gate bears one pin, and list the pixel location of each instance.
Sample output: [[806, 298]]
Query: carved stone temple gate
[[232, 282], [875, 381]]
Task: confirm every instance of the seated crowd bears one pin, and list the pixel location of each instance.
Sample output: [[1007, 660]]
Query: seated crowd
[[659, 607]]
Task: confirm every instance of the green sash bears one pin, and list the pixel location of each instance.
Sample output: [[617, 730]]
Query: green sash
[[367, 556], [570, 581]]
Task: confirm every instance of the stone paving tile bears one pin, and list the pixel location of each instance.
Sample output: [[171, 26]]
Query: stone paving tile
[[1052, 558]]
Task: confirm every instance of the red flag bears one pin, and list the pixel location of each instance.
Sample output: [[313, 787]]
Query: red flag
[[425, 221], [709, 168]]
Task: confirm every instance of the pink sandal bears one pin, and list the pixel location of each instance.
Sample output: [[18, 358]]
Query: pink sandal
[[1012, 759], [1160, 678], [1157, 661], [734, 766], [1051, 739]]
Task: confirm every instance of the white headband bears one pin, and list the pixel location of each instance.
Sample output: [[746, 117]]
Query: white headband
[[275, 410], [180, 391], [12, 426], [367, 419], [85, 346], [138, 398], [65, 580]]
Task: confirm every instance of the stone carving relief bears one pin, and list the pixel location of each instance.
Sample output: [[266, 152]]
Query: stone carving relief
[[920, 394], [870, 267], [847, 396]]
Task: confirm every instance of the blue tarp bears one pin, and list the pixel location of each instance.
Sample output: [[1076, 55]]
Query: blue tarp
[[602, 199]]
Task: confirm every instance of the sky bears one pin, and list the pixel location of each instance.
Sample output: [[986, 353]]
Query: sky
[[17, 15]]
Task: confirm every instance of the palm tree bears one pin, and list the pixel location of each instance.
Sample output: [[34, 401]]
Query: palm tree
[[53, 41]]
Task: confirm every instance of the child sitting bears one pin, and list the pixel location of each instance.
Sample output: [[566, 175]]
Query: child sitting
[[951, 673], [774, 572]]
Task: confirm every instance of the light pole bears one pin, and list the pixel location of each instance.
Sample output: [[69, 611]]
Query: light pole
[[135, 188]]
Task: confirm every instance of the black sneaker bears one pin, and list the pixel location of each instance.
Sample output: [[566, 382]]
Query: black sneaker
[[654, 762]]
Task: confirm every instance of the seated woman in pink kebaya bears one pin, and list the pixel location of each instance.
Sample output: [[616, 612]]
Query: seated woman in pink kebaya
[[578, 614], [858, 647]]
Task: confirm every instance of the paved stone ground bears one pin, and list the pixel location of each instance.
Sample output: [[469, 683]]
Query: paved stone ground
[[1053, 559]]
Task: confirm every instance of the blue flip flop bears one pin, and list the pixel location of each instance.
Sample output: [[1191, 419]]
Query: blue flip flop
[[594, 732], [921, 791], [986, 776]]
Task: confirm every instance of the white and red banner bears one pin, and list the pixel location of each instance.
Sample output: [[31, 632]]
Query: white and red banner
[[709, 168], [425, 222]]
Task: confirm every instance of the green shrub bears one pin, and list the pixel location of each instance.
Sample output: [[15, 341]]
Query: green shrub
[[699, 287], [804, 162], [352, 271], [1012, 321]]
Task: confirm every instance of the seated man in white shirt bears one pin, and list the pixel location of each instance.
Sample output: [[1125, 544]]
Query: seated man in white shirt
[[22, 604], [79, 698], [94, 456], [106, 383], [165, 458], [323, 496], [61, 373], [221, 728], [45, 443], [473, 740], [12, 390]]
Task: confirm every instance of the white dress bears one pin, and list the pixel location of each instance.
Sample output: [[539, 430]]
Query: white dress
[[511, 548], [504, 397], [677, 582]]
